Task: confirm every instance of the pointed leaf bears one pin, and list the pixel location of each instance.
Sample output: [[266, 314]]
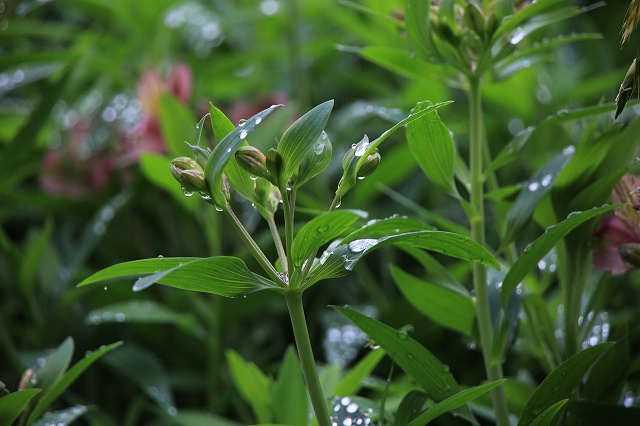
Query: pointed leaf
[[352, 382], [290, 401], [70, 376], [56, 364], [533, 9], [224, 276], [445, 307], [427, 370], [417, 23], [561, 382], [402, 62], [529, 259], [12, 405], [410, 407], [379, 228], [176, 123], [63, 417], [316, 160], [225, 151], [433, 149], [299, 139], [453, 402], [510, 151], [253, 385], [548, 416], [319, 231]]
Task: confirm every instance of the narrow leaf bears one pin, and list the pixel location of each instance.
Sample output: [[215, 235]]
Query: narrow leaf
[[290, 401], [352, 382], [417, 23], [63, 417], [56, 364], [433, 149], [12, 405], [510, 151], [224, 276], [561, 382], [410, 407], [453, 402], [299, 139], [61, 385], [541, 246], [548, 416], [402, 62], [135, 311], [253, 385], [320, 230]]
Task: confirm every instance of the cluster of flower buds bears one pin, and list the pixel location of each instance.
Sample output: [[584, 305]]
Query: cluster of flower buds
[[190, 175]]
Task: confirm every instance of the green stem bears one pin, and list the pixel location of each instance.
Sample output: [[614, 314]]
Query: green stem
[[278, 242], [483, 310], [305, 352], [254, 248], [289, 204]]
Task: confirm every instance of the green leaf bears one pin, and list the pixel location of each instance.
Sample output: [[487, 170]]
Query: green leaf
[[316, 160], [372, 12], [155, 168], [510, 151], [253, 385], [63, 417], [50, 395], [402, 62], [533, 190], [561, 382], [224, 276], [199, 418], [34, 252], [541, 246], [433, 376], [433, 149], [290, 400], [379, 228], [548, 416], [320, 230], [454, 402], [410, 407], [238, 177], [12, 405], [442, 305], [55, 365], [437, 272], [176, 123], [340, 260], [299, 139], [418, 31], [532, 10], [352, 382], [136, 311], [145, 370], [541, 325], [225, 150]]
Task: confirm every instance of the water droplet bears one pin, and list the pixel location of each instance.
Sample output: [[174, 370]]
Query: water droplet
[[345, 401], [347, 307], [218, 209], [402, 334], [258, 120], [546, 180], [568, 150], [324, 136], [361, 177], [321, 229], [318, 148], [120, 317], [228, 149], [197, 126], [160, 256], [358, 246], [172, 411], [243, 134], [533, 186], [517, 36], [352, 408], [410, 355], [186, 192], [105, 288], [242, 122]]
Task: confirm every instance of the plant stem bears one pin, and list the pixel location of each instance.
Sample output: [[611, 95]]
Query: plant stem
[[289, 203], [278, 242], [305, 353], [254, 248], [483, 312]]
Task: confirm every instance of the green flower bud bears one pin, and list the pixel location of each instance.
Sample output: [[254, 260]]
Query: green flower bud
[[274, 165], [369, 165], [253, 161], [189, 174], [267, 195]]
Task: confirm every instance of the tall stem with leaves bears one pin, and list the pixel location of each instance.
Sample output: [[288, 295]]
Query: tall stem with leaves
[[483, 314]]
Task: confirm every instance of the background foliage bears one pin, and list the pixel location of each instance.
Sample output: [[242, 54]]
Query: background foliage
[[96, 97]]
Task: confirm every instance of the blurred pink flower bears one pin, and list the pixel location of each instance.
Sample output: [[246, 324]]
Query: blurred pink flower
[[241, 109], [618, 233], [147, 135]]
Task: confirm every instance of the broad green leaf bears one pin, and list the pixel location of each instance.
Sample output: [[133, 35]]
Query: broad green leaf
[[223, 275], [11, 405], [410, 407], [510, 151], [548, 416], [340, 260], [417, 23], [63, 417], [315, 161], [238, 177], [254, 386], [145, 370], [402, 62], [433, 149], [561, 382], [352, 382], [289, 396], [299, 139], [453, 402], [56, 364], [155, 168], [320, 230], [176, 123], [427, 370], [50, 395], [442, 305], [533, 190], [529, 259], [199, 418], [225, 150]]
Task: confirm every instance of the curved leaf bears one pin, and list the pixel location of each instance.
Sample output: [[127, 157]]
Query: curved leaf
[[320, 230], [316, 160], [454, 402], [299, 139], [224, 276], [254, 386], [540, 247], [56, 364], [561, 382], [379, 228], [11, 405], [548, 416], [225, 150]]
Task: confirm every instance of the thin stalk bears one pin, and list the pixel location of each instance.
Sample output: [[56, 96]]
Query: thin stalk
[[305, 353], [278, 242], [254, 248], [289, 204], [483, 312]]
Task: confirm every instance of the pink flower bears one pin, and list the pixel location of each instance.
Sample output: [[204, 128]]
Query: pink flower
[[617, 237]]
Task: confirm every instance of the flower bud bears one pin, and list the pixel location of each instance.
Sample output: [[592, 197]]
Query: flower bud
[[369, 165], [189, 174], [267, 195], [202, 154], [253, 161], [274, 164]]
